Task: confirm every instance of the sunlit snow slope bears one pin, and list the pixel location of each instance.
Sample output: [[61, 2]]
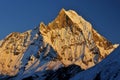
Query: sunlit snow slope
[[69, 43]]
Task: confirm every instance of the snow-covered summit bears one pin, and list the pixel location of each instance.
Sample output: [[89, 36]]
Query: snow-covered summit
[[75, 40], [68, 40]]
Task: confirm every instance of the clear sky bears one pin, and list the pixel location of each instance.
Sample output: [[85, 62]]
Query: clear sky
[[22, 15]]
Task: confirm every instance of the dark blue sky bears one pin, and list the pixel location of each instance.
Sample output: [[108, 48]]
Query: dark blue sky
[[22, 15]]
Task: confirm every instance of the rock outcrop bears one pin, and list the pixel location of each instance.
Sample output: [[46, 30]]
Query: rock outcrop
[[67, 40]]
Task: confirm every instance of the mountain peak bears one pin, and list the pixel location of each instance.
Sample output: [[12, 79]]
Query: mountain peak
[[67, 40], [75, 40]]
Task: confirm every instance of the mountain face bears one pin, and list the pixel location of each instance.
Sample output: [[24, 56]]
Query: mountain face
[[68, 45], [107, 69], [75, 41]]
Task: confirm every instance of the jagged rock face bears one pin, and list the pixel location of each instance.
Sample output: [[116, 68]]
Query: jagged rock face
[[26, 53], [107, 69], [11, 51], [69, 39], [75, 40]]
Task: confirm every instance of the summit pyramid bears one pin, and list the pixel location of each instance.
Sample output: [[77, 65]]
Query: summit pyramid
[[67, 40]]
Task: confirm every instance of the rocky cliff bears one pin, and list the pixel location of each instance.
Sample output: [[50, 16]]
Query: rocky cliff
[[67, 40], [75, 40]]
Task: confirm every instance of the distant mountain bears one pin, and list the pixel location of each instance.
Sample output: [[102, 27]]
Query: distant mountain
[[60, 50]]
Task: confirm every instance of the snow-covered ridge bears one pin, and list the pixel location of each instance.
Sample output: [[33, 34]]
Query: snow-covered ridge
[[68, 40], [108, 69]]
